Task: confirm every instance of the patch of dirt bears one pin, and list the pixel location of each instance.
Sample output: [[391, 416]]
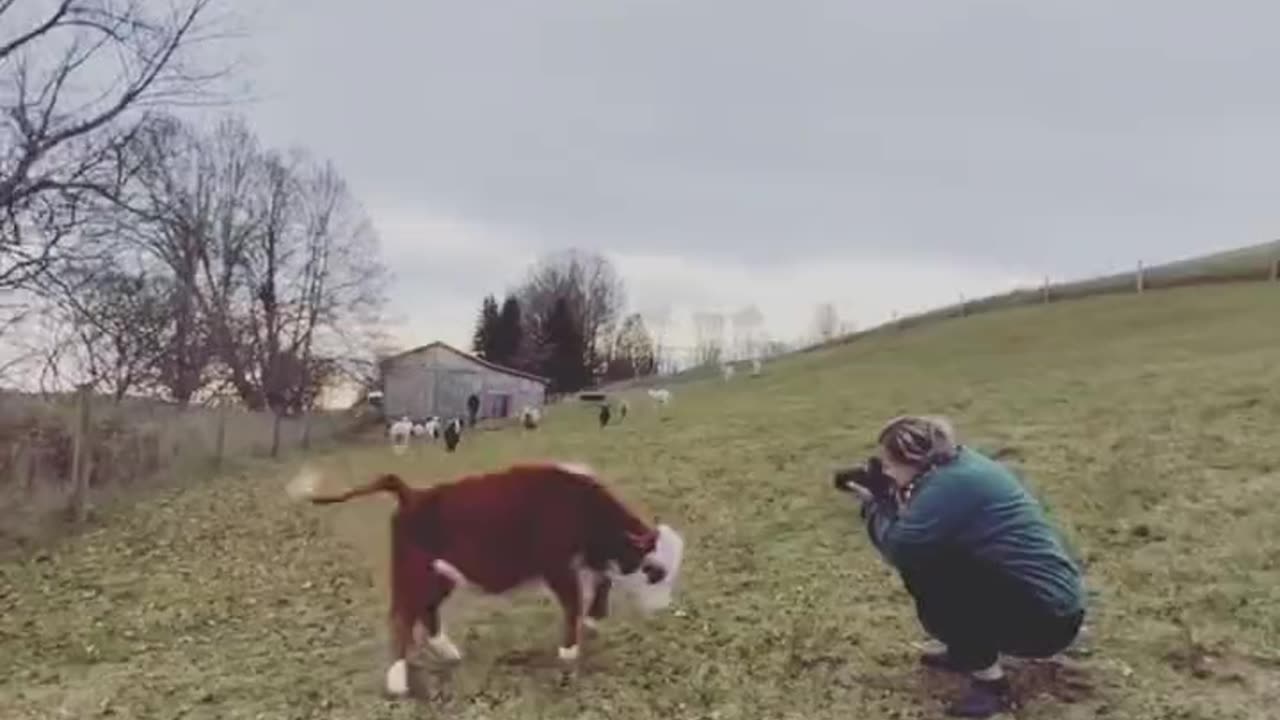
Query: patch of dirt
[[1037, 684], [1245, 684]]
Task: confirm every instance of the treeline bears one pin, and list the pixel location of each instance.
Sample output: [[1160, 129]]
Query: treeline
[[144, 255], [566, 322]]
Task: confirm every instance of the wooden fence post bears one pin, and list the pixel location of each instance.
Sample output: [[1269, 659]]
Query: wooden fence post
[[31, 467], [1044, 291], [220, 443], [1141, 278], [81, 453], [17, 465], [306, 430], [275, 434]]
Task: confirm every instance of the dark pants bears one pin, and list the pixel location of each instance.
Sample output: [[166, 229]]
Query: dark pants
[[981, 613]]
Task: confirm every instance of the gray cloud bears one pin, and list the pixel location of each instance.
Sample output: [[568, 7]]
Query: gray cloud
[[1067, 137]]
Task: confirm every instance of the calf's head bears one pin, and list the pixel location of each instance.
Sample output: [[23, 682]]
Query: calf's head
[[649, 567]]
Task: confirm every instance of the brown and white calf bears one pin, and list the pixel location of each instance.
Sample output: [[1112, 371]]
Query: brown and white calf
[[497, 531]]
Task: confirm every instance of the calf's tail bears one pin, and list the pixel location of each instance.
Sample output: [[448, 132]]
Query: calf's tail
[[306, 486]]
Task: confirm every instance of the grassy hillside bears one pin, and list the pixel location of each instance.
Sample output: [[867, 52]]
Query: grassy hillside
[[1147, 424], [1253, 263]]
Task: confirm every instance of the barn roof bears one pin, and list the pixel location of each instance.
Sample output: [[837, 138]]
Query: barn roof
[[477, 360]]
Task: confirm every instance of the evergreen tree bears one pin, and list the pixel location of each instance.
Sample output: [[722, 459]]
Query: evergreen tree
[[509, 333], [482, 342], [565, 363]]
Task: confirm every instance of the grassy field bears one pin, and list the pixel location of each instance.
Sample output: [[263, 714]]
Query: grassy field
[[1148, 424]]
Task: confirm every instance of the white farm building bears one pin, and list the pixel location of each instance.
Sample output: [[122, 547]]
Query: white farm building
[[438, 379]]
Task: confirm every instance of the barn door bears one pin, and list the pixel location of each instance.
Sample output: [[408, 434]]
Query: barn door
[[454, 389]]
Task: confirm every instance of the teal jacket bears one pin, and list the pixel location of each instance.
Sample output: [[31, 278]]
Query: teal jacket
[[976, 507]]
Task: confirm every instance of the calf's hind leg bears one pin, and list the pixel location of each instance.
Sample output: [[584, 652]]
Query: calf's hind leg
[[397, 680], [416, 596], [437, 591]]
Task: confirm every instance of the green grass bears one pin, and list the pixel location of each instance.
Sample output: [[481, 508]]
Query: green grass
[[1147, 424], [1247, 264]]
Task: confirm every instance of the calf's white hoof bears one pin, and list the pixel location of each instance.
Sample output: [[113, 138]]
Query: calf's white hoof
[[591, 624], [398, 679], [569, 654], [444, 648]]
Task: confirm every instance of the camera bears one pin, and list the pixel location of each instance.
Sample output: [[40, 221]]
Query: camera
[[870, 476]]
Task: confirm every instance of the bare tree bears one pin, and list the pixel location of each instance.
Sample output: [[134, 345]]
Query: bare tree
[[746, 324], [275, 283], [659, 318], [311, 279], [77, 77], [113, 320], [708, 333], [589, 283], [826, 321], [632, 354], [774, 348], [189, 207], [341, 284]]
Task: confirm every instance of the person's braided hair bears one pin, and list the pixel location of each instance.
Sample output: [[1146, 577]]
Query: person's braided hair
[[923, 442]]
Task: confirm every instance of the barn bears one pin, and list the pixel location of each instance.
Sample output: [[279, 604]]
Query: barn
[[437, 379]]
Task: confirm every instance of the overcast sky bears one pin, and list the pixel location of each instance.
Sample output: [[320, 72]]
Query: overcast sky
[[879, 155]]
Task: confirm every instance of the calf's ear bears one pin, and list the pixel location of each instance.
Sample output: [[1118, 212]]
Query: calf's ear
[[644, 542]]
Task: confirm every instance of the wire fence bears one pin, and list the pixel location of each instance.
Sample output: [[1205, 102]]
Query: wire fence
[[1258, 263], [59, 454]]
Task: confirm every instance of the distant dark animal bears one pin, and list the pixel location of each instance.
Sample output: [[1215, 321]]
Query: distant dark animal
[[452, 434], [622, 410], [473, 409], [604, 414], [498, 531]]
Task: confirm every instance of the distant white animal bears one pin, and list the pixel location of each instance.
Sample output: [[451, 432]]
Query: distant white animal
[[400, 432], [419, 429], [432, 428], [530, 417], [756, 367], [662, 396], [727, 371]]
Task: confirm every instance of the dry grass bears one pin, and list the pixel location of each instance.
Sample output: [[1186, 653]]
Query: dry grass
[[1146, 423]]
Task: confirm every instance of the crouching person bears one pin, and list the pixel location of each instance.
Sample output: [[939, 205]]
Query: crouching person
[[988, 573]]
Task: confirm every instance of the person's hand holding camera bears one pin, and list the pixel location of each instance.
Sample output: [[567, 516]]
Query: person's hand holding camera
[[866, 482]]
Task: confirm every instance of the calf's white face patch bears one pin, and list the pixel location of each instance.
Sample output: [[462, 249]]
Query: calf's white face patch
[[669, 553]]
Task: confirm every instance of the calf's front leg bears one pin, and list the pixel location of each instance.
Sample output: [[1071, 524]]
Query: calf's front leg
[[565, 585], [598, 608]]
